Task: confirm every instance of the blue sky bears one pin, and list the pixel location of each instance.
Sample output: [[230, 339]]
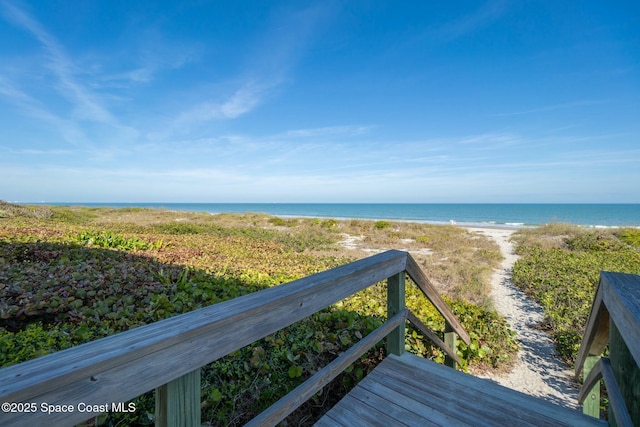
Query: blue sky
[[327, 101]]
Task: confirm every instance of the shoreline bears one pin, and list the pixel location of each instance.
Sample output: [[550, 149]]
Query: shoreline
[[502, 215], [462, 224]]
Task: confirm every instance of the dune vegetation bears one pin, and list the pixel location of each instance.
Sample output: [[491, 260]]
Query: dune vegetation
[[560, 266], [69, 275]]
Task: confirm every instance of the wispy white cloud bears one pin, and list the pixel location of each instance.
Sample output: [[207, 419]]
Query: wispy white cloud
[[122, 79], [328, 131], [147, 55], [268, 66], [240, 102], [490, 140], [560, 106], [87, 105], [34, 152], [446, 177], [489, 12], [70, 132], [243, 100], [90, 141]]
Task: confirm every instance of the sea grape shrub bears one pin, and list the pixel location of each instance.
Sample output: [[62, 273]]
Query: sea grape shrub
[[493, 343], [54, 283]]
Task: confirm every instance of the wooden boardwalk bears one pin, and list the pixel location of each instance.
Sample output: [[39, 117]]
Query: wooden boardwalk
[[410, 390]]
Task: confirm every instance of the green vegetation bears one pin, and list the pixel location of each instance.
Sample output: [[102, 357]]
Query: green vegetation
[[560, 267], [381, 225], [107, 239], [81, 274], [630, 236], [492, 343], [280, 222]]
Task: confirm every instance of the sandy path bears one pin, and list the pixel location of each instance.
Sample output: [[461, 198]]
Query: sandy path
[[538, 371]]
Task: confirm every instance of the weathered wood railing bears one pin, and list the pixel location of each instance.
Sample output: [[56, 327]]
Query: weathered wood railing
[[167, 355], [614, 321]]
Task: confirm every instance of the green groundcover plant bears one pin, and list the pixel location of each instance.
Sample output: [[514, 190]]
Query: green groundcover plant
[[69, 276], [560, 266]]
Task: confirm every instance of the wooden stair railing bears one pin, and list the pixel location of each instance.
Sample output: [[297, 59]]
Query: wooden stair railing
[[167, 355], [614, 320]]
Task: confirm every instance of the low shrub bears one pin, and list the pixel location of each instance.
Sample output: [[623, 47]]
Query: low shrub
[[381, 225], [72, 215], [281, 222], [630, 235], [178, 228], [329, 224], [563, 278]]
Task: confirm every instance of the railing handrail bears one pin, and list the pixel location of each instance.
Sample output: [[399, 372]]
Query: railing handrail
[[617, 299], [153, 355], [614, 320]]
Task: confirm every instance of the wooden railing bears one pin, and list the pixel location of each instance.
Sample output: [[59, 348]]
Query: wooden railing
[[167, 355], [614, 321]]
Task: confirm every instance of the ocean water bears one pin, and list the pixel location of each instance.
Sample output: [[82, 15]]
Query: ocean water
[[497, 214]]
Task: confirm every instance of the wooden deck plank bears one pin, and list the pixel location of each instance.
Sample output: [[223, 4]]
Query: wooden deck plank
[[430, 407], [430, 398], [416, 409], [409, 389], [543, 409], [463, 393], [463, 402], [353, 412], [512, 401], [398, 410], [328, 421]]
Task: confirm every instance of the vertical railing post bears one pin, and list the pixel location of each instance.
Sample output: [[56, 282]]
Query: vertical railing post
[[626, 372], [591, 405], [395, 304], [178, 402], [451, 341]]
